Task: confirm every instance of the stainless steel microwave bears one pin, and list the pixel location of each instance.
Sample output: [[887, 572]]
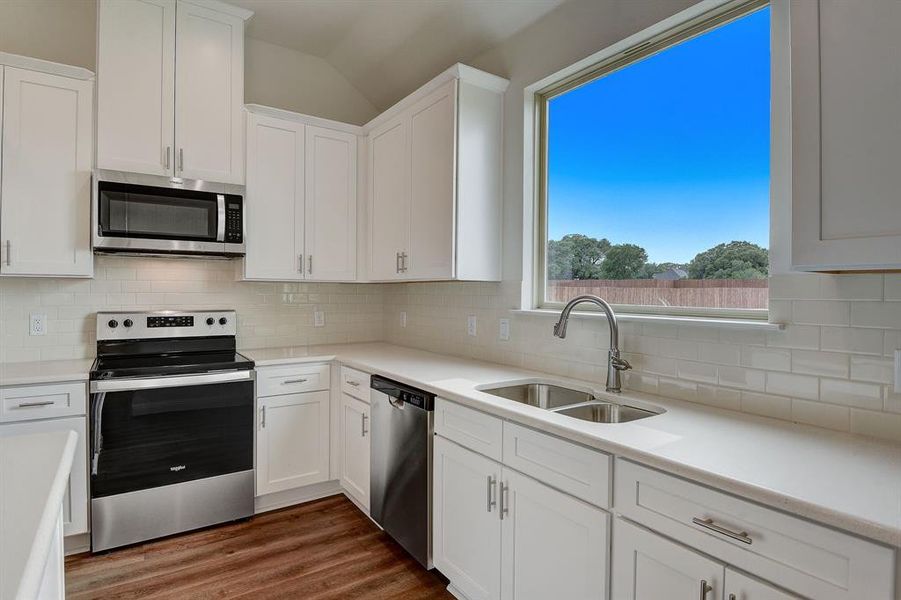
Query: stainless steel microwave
[[149, 214]]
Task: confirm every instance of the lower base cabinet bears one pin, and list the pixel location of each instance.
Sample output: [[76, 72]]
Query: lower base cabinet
[[501, 535], [355, 448], [292, 441], [647, 566]]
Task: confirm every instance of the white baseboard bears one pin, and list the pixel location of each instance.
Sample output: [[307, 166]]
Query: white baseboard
[[76, 544], [455, 592], [297, 496]]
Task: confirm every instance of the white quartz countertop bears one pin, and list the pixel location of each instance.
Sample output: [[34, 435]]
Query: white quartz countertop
[[45, 371], [847, 481], [34, 471]]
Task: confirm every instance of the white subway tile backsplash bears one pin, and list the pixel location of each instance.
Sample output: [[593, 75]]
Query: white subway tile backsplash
[[719, 397], [696, 371], [821, 415], [773, 359], [851, 339], [826, 364], [805, 337], [873, 369], [739, 377], [766, 405], [893, 286], [796, 386], [821, 312], [886, 315], [876, 424], [862, 286], [851, 393], [719, 354]]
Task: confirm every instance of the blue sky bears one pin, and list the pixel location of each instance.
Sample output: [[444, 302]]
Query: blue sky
[[671, 153]]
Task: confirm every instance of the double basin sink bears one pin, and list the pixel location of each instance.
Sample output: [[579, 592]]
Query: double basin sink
[[570, 402]]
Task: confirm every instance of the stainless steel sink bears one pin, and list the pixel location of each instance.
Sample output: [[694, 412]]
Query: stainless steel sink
[[605, 412], [542, 395]]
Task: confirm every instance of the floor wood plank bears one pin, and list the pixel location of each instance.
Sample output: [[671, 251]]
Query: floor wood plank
[[322, 550]]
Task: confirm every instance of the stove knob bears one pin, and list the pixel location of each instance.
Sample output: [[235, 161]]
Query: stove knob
[[223, 321], [113, 323], [210, 320], [128, 322]]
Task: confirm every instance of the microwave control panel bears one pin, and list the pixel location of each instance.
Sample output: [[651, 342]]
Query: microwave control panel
[[234, 220]]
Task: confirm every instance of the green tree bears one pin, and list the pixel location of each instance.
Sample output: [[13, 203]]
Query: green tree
[[648, 270], [623, 261], [735, 260], [576, 256]]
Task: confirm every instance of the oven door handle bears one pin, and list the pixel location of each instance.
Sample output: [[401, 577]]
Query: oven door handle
[[220, 217], [96, 430], [148, 383]]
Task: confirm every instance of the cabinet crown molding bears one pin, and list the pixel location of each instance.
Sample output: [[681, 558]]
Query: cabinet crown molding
[[288, 115], [229, 9], [45, 66]]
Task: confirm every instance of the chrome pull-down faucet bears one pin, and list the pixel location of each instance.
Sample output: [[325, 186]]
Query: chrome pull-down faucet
[[615, 363]]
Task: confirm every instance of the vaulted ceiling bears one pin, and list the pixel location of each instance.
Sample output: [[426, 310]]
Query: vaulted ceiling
[[388, 48]]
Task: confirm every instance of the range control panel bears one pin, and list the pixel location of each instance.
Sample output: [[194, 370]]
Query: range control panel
[[165, 324]]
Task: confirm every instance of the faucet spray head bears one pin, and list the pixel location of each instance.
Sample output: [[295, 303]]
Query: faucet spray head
[[560, 328]]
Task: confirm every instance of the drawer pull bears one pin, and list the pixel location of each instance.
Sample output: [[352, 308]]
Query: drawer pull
[[492, 488], [705, 589], [505, 508], [290, 381], [353, 383], [741, 536], [33, 404], [364, 431]]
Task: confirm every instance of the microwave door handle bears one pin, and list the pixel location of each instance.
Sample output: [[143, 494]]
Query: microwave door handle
[[220, 217]]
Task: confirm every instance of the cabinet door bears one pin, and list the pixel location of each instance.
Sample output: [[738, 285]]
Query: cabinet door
[[331, 204], [741, 587], [355, 448], [46, 186], [292, 441], [209, 94], [466, 530], [75, 502], [647, 566], [433, 127], [136, 86], [846, 134], [389, 195], [554, 546], [275, 199]]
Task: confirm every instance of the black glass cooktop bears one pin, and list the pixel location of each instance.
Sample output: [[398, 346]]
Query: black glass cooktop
[[112, 367]]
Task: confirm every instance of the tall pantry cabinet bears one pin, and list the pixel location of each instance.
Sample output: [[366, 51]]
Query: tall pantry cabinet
[[170, 88]]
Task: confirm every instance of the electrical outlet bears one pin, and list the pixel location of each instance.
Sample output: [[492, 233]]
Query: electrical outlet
[[403, 318], [318, 318], [503, 330], [37, 324], [898, 371], [471, 325]]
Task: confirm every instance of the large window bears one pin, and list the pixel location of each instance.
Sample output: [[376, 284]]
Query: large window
[[654, 189]]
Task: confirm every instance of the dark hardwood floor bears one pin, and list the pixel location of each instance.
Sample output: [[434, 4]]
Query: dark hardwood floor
[[325, 549]]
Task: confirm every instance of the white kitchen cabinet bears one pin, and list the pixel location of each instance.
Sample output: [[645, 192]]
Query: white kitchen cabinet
[[45, 194], [647, 566], [846, 135], [301, 209], [554, 546], [292, 441], [466, 532], [742, 587], [435, 181], [355, 448], [274, 204], [75, 501], [171, 88], [331, 204], [136, 89]]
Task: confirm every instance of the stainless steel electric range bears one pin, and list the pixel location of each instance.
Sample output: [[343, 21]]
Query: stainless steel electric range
[[171, 425]]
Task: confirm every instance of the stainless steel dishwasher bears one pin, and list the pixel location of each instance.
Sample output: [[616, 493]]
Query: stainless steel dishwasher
[[401, 464]]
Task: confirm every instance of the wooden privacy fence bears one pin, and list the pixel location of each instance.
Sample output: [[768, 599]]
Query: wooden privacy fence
[[707, 293]]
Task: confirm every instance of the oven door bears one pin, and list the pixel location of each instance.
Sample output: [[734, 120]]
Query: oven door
[[148, 433]]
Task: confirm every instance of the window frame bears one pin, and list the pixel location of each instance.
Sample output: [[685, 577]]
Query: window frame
[[541, 94]]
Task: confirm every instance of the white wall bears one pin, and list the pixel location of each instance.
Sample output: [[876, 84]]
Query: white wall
[[62, 31]]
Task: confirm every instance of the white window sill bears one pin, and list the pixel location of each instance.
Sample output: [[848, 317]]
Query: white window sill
[[673, 320]]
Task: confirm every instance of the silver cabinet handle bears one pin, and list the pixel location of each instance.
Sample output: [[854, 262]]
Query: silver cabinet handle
[[363, 430], [168, 152], [741, 536], [705, 589], [353, 383], [403, 262], [396, 262], [492, 488], [263, 417], [32, 404], [309, 264], [289, 381], [300, 263], [505, 509], [181, 159], [9, 253]]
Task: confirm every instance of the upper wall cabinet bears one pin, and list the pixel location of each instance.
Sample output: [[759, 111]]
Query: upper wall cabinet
[[846, 135], [171, 88], [45, 185], [301, 208], [435, 174]]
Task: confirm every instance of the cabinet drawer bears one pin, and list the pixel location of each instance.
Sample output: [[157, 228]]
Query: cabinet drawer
[[469, 428], [42, 401], [574, 469], [355, 383], [291, 379], [798, 555]]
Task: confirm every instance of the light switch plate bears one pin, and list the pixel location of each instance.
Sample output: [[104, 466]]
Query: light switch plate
[[403, 318], [471, 325], [898, 371], [503, 330], [37, 324], [318, 318]]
